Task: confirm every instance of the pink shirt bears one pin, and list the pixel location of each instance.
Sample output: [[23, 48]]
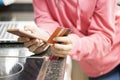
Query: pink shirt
[[98, 48]]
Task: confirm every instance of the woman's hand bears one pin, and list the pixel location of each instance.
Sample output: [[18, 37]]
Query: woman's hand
[[61, 47], [35, 45]]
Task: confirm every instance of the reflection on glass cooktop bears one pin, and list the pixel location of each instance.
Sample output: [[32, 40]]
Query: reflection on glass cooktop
[[17, 63], [31, 69], [20, 71]]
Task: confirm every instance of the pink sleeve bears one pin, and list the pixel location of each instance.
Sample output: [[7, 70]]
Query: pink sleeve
[[42, 16], [101, 32]]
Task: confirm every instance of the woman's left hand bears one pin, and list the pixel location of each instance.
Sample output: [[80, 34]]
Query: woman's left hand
[[62, 46]]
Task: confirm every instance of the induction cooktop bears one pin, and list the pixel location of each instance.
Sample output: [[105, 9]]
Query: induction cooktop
[[18, 63]]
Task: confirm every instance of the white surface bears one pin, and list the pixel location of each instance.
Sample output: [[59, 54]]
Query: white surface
[[23, 1], [8, 2], [20, 25], [68, 69]]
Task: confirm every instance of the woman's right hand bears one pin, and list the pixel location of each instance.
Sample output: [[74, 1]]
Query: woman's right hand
[[35, 45]]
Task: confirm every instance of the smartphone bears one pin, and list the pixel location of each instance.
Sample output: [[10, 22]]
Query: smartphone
[[59, 32], [21, 33]]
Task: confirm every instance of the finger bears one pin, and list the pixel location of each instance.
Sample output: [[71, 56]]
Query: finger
[[63, 46], [59, 55], [41, 49], [59, 52], [23, 39], [32, 42], [35, 46], [62, 39], [30, 29]]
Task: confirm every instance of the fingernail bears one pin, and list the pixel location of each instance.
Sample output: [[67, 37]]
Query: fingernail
[[53, 39]]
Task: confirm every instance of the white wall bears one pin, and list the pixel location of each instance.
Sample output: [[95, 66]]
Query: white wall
[[23, 1]]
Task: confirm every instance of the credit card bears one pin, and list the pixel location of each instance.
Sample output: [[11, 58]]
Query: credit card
[[58, 32]]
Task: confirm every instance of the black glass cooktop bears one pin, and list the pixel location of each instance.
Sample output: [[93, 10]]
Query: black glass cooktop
[[17, 63]]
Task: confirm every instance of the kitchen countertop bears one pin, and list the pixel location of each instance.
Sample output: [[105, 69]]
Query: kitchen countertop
[[33, 65], [14, 54]]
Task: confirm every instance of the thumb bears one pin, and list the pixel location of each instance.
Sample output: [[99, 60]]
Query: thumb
[[29, 29]]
